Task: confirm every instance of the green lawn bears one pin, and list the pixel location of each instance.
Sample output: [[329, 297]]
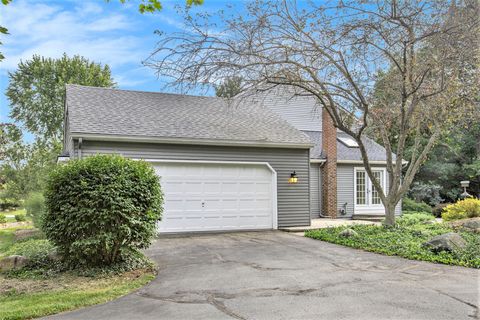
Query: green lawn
[[77, 292], [32, 294], [13, 213], [7, 238], [405, 240]]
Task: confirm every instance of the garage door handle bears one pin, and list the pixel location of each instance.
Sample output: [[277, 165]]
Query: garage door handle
[[203, 204]]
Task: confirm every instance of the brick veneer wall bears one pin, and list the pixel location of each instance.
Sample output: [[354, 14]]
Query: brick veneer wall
[[329, 169]]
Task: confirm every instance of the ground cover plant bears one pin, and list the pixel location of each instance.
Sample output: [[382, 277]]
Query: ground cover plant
[[406, 240]]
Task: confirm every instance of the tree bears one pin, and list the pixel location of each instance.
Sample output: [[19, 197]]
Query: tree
[[37, 91], [455, 158], [334, 53], [23, 166], [156, 5], [229, 88], [3, 30]]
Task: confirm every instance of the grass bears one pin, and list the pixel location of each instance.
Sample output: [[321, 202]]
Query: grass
[[65, 293], [7, 237], [28, 294], [405, 240], [13, 213]]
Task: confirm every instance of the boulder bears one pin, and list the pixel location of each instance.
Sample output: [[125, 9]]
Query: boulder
[[348, 233], [446, 242], [468, 225], [13, 262], [471, 226]]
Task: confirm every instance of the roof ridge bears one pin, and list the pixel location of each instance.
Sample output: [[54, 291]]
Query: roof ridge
[[143, 91]]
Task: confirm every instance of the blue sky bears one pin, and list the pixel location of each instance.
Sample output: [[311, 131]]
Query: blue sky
[[108, 33]]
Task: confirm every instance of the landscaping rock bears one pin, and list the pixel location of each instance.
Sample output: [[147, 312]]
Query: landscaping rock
[[26, 233], [471, 226], [348, 233], [13, 262], [446, 242], [468, 225]]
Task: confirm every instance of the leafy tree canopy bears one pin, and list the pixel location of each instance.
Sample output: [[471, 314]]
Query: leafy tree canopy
[[229, 88], [37, 91], [156, 5]]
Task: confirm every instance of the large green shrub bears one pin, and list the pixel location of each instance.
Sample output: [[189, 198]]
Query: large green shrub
[[8, 203], [463, 209], [20, 218], [3, 219], [36, 250], [414, 218], [102, 209], [35, 207], [411, 205]]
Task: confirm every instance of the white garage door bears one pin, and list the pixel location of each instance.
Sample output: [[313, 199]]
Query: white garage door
[[209, 197]]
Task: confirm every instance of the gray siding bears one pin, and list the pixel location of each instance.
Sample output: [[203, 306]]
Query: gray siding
[[300, 111], [67, 139], [345, 188], [315, 191], [292, 200]]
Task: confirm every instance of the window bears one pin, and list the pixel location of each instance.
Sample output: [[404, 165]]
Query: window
[[365, 192], [361, 188], [375, 197], [349, 142]]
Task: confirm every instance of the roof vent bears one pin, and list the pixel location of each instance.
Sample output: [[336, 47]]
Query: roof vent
[[349, 142]]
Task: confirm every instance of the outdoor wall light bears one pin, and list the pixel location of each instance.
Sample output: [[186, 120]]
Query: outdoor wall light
[[64, 157], [293, 178]]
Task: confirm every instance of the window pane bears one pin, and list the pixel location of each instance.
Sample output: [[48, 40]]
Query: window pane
[[375, 197], [361, 187]]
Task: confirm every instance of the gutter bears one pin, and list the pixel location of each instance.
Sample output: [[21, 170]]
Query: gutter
[[361, 162], [204, 142]]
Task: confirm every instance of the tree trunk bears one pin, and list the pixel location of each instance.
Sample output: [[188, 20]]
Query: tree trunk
[[389, 215]]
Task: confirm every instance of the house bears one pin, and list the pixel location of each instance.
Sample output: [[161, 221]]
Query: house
[[227, 167]]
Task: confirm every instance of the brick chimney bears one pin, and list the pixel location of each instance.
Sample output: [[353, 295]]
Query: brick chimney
[[329, 168]]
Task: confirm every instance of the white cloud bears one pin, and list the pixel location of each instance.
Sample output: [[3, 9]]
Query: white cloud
[[51, 30]]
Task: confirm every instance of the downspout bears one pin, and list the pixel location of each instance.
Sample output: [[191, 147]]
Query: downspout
[[344, 205], [80, 142], [320, 214]]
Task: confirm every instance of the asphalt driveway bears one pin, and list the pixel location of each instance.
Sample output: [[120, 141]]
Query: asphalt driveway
[[275, 275]]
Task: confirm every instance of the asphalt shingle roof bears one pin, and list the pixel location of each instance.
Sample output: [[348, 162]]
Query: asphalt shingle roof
[[375, 151], [105, 111]]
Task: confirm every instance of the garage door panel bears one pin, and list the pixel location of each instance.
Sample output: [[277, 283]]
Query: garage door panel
[[206, 197]]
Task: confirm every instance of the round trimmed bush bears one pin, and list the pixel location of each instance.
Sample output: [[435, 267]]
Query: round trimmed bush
[[102, 209], [20, 218]]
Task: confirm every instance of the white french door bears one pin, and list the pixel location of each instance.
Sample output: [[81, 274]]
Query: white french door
[[366, 196]]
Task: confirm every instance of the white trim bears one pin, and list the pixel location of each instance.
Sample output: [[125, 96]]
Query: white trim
[[318, 160], [274, 177], [368, 208], [205, 142]]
